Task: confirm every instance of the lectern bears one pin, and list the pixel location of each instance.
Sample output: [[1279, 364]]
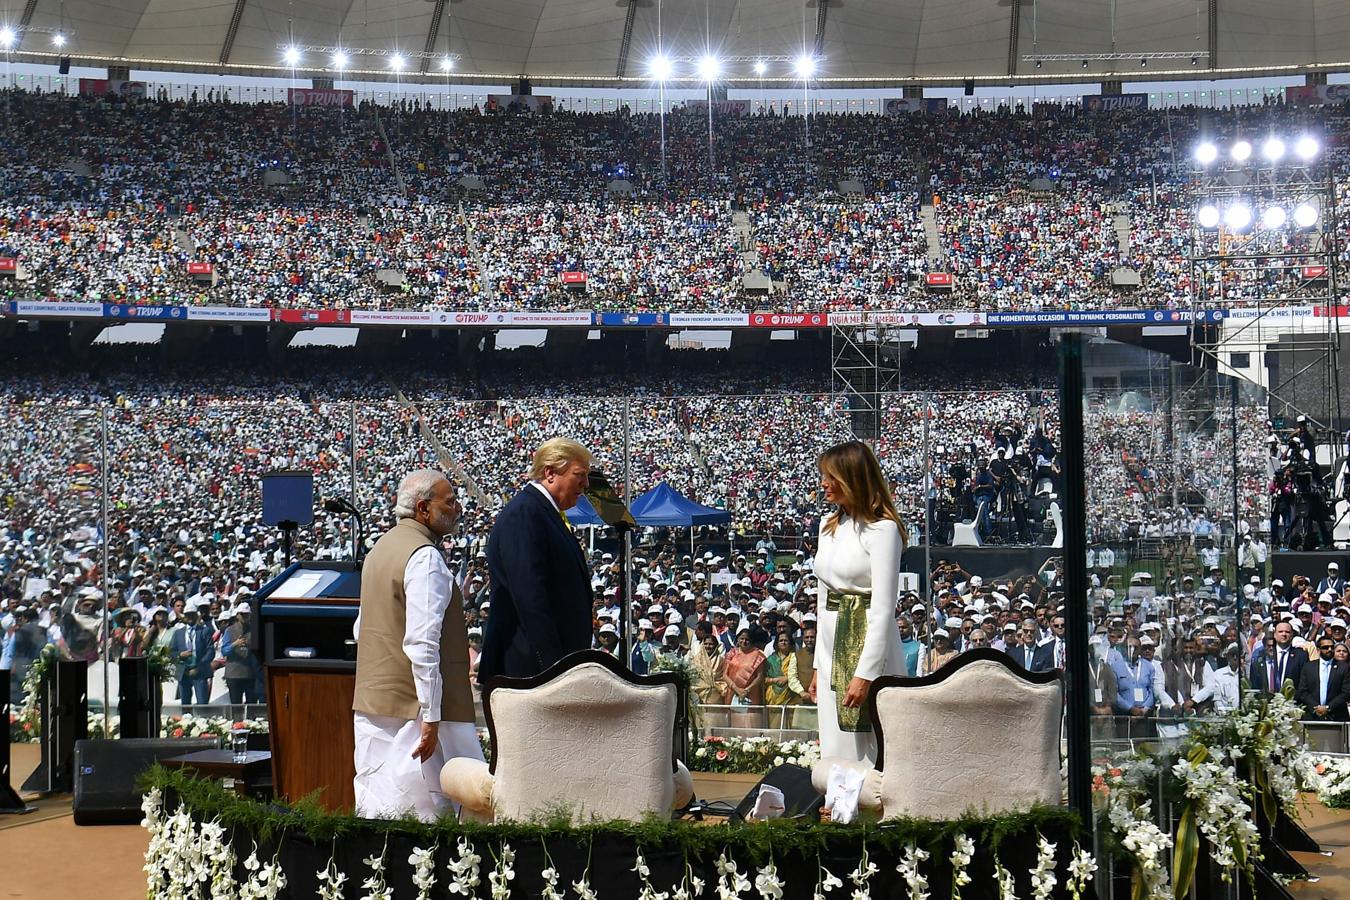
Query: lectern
[[304, 639]]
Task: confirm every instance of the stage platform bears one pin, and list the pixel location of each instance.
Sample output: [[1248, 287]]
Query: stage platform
[[110, 857]]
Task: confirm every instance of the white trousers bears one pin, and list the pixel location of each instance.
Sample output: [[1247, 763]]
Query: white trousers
[[390, 782]]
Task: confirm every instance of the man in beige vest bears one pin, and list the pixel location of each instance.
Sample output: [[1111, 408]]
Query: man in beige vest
[[413, 709]]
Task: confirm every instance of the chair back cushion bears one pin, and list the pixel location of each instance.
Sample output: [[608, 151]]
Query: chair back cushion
[[588, 743], [973, 736]]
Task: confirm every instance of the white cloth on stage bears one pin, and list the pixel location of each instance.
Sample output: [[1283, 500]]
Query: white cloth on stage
[[389, 781], [857, 559]]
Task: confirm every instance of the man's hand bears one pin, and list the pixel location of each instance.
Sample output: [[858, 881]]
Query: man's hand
[[1137, 710], [856, 693], [811, 691], [1321, 710], [426, 744]]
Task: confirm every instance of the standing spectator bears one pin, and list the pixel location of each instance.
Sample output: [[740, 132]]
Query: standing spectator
[[193, 653], [241, 666]]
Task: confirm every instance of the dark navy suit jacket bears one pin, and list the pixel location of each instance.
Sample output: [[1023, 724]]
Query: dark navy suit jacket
[[541, 590]]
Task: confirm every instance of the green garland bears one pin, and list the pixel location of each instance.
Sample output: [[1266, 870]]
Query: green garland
[[209, 800]]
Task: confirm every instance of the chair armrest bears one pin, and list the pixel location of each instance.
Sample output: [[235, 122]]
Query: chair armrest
[[684, 786], [469, 783], [869, 795]]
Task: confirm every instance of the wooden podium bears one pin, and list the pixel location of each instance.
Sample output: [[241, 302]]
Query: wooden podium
[[304, 639]]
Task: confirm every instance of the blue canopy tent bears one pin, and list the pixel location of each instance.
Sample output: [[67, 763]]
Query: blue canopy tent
[[663, 505], [584, 513]]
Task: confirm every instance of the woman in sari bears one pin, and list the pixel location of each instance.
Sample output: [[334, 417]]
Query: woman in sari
[[745, 675], [776, 690], [710, 672]]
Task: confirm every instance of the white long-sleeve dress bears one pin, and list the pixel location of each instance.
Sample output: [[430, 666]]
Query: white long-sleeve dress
[[857, 558]]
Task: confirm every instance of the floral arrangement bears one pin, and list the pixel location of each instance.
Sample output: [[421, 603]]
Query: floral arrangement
[[1220, 809], [190, 821], [185, 726], [1120, 794], [750, 755], [1329, 776]]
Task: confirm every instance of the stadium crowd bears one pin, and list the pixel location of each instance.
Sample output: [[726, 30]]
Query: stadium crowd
[[108, 200], [186, 450]]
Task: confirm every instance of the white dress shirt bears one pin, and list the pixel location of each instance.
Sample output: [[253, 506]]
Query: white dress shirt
[[539, 486], [1224, 685]]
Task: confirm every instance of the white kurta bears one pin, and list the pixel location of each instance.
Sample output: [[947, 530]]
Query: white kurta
[[389, 781], [857, 559]]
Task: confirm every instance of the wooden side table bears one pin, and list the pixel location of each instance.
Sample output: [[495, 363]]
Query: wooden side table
[[251, 778]]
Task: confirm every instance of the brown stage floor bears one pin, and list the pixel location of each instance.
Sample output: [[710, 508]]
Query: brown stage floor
[[104, 863]]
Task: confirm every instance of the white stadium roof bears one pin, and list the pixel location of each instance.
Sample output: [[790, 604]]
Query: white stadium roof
[[859, 43]]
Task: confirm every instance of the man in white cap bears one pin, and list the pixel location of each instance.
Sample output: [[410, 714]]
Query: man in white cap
[[1333, 581], [242, 672], [670, 643]]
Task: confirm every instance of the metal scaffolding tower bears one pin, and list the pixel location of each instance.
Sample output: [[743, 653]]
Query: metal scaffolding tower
[[864, 368]]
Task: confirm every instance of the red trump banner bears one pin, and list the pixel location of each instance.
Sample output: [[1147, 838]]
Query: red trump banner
[[320, 97], [788, 320]]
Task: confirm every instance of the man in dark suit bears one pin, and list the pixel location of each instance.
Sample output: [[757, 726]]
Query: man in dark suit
[[1282, 662], [541, 585], [1052, 652], [1322, 686], [192, 650]]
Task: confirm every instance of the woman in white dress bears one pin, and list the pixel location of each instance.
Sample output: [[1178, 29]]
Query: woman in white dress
[[858, 567]]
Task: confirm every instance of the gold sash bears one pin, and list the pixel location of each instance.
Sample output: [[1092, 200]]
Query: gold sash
[[850, 631]]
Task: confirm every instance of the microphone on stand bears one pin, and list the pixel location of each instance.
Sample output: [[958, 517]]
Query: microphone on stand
[[342, 505]]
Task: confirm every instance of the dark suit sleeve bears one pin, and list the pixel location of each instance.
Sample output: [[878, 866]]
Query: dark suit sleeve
[[523, 554], [1336, 703], [1306, 693]]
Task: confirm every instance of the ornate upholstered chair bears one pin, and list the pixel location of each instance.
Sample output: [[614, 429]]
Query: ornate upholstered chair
[[980, 734], [587, 738]]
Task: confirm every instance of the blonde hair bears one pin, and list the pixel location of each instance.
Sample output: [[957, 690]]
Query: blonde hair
[[557, 454], [863, 492]]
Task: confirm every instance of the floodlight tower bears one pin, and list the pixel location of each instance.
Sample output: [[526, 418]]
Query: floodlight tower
[[1264, 238]]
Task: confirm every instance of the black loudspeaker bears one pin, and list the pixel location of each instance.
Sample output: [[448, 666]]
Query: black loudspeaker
[[64, 708], [64, 67], [106, 773], [970, 87], [139, 701], [799, 795]]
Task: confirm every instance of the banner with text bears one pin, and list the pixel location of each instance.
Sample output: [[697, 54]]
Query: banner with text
[[721, 107], [788, 320], [133, 311], [1113, 102], [709, 320], [1247, 313], [227, 314], [494, 319], [393, 317], [320, 97], [1108, 317], [923, 320], [61, 310]]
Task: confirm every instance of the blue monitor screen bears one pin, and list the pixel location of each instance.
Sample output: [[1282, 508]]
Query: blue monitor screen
[[288, 497]]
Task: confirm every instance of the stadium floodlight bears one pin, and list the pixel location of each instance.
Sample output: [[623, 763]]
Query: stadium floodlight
[[396, 63], [805, 66], [1306, 148], [447, 64], [340, 60], [760, 67], [1241, 151], [709, 67], [7, 37], [59, 39], [1208, 216], [1273, 218], [1206, 153], [660, 68], [292, 56], [1273, 149], [1238, 216], [1305, 215]]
